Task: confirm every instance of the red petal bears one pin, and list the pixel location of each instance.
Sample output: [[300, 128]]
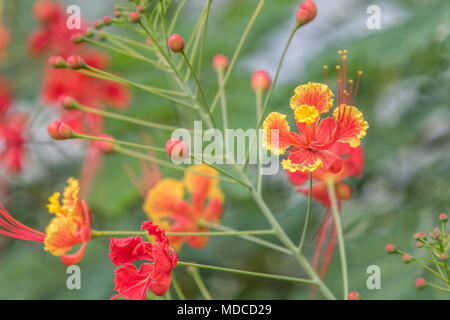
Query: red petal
[[131, 283], [122, 250]]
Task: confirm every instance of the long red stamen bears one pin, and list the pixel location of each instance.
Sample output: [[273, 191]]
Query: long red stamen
[[14, 229], [325, 70], [357, 86], [338, 69], [344, 59], [350, 83]]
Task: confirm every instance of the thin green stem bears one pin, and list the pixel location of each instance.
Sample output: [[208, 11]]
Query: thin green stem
[[437, 287], [175, 16], [247, 273], [253, 239], [275, 79], [124, 118], [109, 233], [177, 288], [430, 251], [203, 41], [115, 141], [202, 93], [308, 214], [237, 52], [258, 100], [340, 235], [195, 273], [168, 164]]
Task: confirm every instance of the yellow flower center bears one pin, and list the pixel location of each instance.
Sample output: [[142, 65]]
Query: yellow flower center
[[306, 114]]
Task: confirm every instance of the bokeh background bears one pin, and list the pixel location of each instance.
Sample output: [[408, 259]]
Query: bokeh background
[[405, 184]]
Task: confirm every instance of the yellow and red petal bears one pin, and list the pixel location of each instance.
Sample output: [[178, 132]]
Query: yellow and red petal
[[61, 235], [301, 160], [306, 114], [276, 133], [351, 126], [325, 131], [200, 180], [330, 162], [74, 258], [313, 94], [162, 201]]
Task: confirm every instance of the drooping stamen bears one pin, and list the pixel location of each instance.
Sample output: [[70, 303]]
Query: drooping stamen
[[17, 230], [357, 86]]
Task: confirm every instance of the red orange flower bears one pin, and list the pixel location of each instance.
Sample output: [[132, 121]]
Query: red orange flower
[[12, 138], [319, 128], [352, 164], [156, 271], [70, 227], [166, 206]]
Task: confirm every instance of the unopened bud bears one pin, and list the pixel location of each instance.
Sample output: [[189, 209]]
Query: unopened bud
[[419, 235], [390, 248], [98, 24], [75, 62], [59, 130], [343, 191], [177, 149], [135, 17], [57, 62], [176, 43], [306, 12], [444, 257], [421, 283], [105, 146], [353, 296], [419, 244], [106, 20], [443, 217], [220, 62], [260, 81], [140, 8], [77, 38], [68, 102], [406, 258]]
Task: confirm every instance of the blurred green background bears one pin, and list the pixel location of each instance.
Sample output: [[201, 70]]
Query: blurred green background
[[404, 95]]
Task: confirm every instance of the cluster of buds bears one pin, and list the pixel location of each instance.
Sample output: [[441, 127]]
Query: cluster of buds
[[73, 62], [437, 245]]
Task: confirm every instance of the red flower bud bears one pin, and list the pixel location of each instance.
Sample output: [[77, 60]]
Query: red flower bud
[[406, 258], [443, 217], [135, 17], [177, 149], [343, 191], [68, 102], [353, 296], [176, 43], [419, 244], [59, 130], [444, 257], [75, 62], [117, 14], [105, 146], [220, 62], [106, 20], [57, 62], [421, 283], [306, 12], [140, 8], [390, 248], [98, 24], [419, 235], [260, 80], [77, 38]]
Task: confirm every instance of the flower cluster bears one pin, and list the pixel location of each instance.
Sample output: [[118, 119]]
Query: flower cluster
[[69, 228], [166, 206]]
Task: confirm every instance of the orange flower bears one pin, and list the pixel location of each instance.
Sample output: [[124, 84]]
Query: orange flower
[[165, 204], [70, 227], [317, 135]]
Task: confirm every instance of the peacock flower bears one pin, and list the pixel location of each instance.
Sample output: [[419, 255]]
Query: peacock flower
[[165, 204], [320, 127], [352, 164], [69, 227], [154, 273]]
